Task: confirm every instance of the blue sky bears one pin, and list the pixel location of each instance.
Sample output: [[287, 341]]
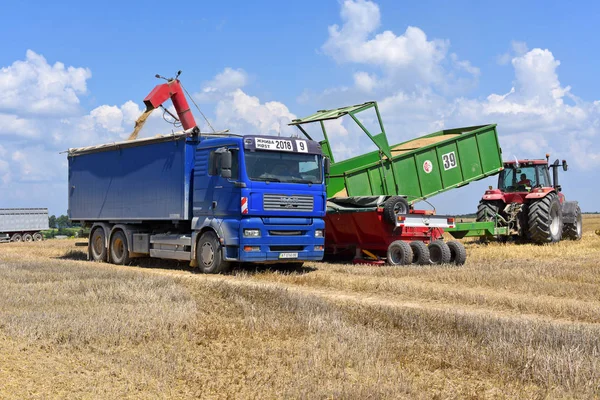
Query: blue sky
[[252, 66]]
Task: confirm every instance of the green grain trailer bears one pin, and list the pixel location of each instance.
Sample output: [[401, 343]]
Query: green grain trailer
[[418, 168]]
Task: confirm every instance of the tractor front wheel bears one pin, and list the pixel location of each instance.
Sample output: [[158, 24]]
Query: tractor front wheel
[[544, 220]]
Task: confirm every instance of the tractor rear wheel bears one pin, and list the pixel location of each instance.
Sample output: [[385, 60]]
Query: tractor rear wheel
[[574, 231], [544, 220], [487, 210]]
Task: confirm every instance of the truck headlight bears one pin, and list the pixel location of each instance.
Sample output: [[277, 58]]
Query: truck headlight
[[319, 233], [251, 233]]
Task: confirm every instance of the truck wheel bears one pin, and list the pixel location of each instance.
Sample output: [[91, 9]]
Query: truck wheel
[[420, 253], [487, 210], [119, 251], [38, 237], [16, 237], [439, 252], [458, 253], [399, 253], [545, 223], [97, 247], [394, 206], [27, 237], [574, 231], [209, 254]]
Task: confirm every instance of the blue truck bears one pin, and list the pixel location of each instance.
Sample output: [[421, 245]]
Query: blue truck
[[209, 199]]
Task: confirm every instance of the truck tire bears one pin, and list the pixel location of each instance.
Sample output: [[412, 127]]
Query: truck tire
[[209, 254], [544, 220], [16, 237], [27, 237], [97, 247], [38, 237], [394, 206], [458, 253], [119, 250], [487, 210], [574, 231], [439, 252], [399, 253], [420, 253]]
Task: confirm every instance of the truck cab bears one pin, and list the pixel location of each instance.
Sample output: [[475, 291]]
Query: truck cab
[[264, 196]]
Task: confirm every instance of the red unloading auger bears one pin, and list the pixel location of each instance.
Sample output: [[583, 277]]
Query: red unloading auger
[[161, 93]]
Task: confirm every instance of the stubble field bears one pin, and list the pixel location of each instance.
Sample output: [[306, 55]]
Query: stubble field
[[517, 321]]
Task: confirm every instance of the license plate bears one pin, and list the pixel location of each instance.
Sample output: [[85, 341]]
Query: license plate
[[288, 255], [273, 144]]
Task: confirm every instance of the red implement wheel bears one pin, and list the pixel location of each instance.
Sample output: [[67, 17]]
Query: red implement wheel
[[420, 253], [458, 253], [399, 253], [439, 252]]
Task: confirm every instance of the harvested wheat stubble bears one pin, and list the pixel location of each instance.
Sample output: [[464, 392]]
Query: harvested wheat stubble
[[517, 321]]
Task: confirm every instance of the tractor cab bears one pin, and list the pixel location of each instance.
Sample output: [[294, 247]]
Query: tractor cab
[[523, 176]]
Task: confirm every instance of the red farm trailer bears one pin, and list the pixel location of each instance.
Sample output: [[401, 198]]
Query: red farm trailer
[[364, 230]]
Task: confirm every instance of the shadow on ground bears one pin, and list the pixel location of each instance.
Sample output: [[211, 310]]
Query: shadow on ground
[[237, 268]]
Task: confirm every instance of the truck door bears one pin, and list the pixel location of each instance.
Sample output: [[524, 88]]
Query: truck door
[[225, 196]]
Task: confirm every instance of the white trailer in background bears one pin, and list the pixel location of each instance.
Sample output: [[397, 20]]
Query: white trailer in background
[[23, 224]]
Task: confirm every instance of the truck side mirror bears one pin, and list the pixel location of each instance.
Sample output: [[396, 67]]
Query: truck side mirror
[[326, 165], [226, 164], [226, 173], [565, 165]]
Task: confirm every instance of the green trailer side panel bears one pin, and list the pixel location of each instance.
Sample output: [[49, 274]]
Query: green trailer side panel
[[450, 164], [421, 167], [428, 169], [470, 164], [408, 178], [489, 151]]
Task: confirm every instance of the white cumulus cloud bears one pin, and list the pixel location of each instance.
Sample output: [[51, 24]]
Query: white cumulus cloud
[[34, 87]]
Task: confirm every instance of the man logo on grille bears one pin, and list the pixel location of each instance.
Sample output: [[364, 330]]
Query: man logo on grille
[[289, 202]]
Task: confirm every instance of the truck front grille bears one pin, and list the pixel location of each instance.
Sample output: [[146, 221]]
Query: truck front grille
[[287, 248], [287, 233], [283, 202]]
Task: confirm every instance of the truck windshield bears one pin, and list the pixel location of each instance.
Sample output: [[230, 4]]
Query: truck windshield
[[275, 166]]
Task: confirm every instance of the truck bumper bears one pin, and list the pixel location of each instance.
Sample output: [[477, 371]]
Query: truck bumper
[[280, 242]]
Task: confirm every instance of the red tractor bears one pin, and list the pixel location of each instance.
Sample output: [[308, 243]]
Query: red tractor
[[529, 205]]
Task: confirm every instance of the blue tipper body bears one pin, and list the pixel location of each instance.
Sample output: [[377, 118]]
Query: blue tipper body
[[167, 181]]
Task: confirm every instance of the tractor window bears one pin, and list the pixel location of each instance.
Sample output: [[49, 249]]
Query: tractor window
[[544, 177], [518, 179]]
